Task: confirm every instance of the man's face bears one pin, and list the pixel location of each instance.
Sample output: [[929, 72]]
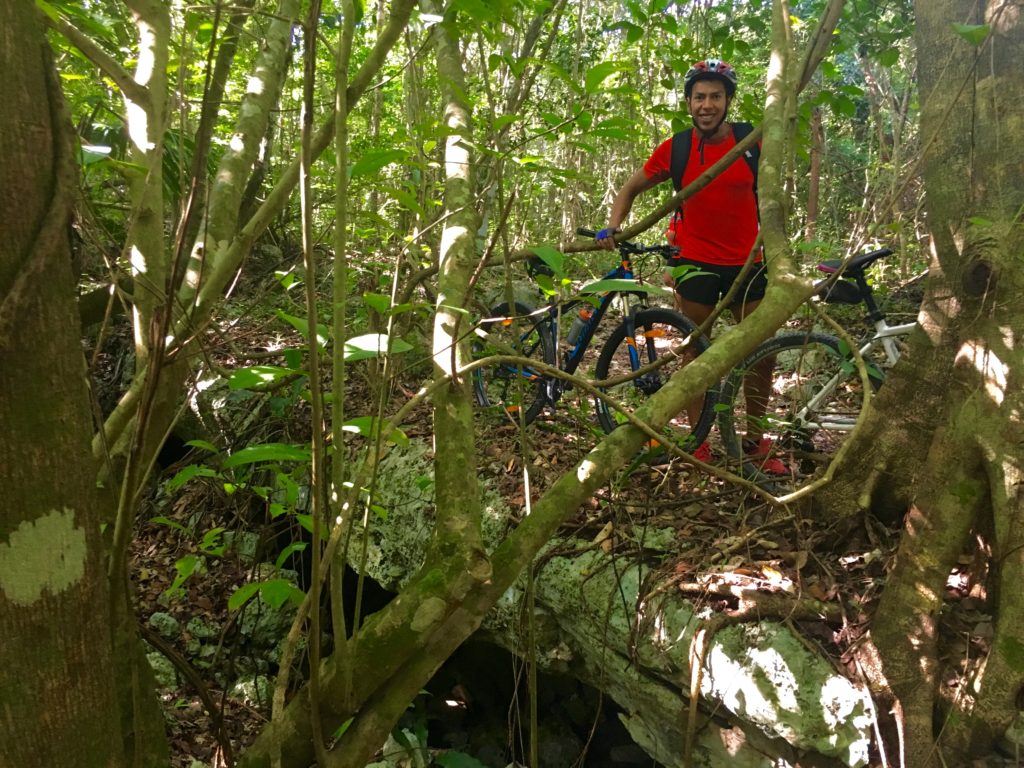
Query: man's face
[[708, 103]]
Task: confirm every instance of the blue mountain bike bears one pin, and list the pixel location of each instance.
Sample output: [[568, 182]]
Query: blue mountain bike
[[645, 335]]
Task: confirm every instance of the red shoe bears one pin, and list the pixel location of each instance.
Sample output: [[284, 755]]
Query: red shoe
[[760, 454], [704, 453]]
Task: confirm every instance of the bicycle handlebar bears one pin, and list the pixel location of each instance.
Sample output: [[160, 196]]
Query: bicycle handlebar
[[628, 248]]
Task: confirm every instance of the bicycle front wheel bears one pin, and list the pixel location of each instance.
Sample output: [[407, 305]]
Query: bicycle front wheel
[[515, 389], [658, 331], [802, 391]]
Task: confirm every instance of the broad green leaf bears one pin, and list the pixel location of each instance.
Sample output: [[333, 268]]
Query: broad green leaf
[[502, 120], [552, 257], [242, 595], [980, 221], [267, 452], [604, 286], [187, 473], [374, 160], [377, 302], [302, 326], [258, 375], [373, 345], [213, 542], [91, 154], [598, 73], [279, 591], [306, 521], [482, 10], [975, 34]]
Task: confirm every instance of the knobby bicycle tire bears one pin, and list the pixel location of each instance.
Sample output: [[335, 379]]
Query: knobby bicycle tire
[[657, 331], [504, 386], [815, 397]]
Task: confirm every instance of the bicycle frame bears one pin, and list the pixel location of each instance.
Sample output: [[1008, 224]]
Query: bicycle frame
[[884, 336]]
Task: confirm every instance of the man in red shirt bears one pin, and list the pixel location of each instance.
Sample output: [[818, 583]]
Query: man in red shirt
[[715, 231]]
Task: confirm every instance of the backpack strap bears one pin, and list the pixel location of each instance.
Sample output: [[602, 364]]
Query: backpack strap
[[681, 153], [740, 131], [680, 157]]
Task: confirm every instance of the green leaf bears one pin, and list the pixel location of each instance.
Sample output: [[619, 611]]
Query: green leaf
[[407, 200], [91, 153], [502, 120], [295, 546], [604, 286], [343, 727], [975, 34], [377, 302], [187, 473], [185, 567], [242, 595], [213, 542], [979, 221], [889, 57], [373, 345], [302, 326], [267, 452], [477, 9], [259, 376], [306, 521], [160, 520], [205, 445], [374, 160], [552, 257], [279, 591], [598, 73]]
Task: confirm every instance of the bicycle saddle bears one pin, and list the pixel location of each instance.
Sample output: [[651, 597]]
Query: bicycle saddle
[[858, 262]]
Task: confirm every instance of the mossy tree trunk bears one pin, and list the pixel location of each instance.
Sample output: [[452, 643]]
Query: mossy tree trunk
[[956, 460]]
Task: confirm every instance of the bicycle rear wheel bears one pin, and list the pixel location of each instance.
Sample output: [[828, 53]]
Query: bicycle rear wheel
[[508, 387], [813, 403], [658, 331]]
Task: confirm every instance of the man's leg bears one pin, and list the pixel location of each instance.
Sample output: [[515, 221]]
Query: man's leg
[[757, 386]]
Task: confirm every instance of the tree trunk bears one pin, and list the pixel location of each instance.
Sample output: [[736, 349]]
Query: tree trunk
[[56, 657], [972, 121]]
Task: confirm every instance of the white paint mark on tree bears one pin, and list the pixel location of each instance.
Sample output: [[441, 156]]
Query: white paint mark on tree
[[46, 554]]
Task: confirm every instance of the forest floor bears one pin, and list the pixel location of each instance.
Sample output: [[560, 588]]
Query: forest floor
[[725, 538]]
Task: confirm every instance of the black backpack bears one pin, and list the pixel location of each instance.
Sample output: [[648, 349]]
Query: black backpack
[[681, 153]]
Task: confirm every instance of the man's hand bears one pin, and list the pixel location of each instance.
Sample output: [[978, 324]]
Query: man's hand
[[605, 237]]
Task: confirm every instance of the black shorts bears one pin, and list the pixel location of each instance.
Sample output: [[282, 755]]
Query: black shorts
[[716, 280]]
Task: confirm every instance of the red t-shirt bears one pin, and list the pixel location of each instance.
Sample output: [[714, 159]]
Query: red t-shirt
[[719, 223]]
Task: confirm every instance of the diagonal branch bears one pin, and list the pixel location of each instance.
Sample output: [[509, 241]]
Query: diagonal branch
[[132, 90]]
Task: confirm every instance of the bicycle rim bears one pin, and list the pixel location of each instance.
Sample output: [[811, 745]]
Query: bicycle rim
[[515, 391], [813, 402], [658, 331]]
